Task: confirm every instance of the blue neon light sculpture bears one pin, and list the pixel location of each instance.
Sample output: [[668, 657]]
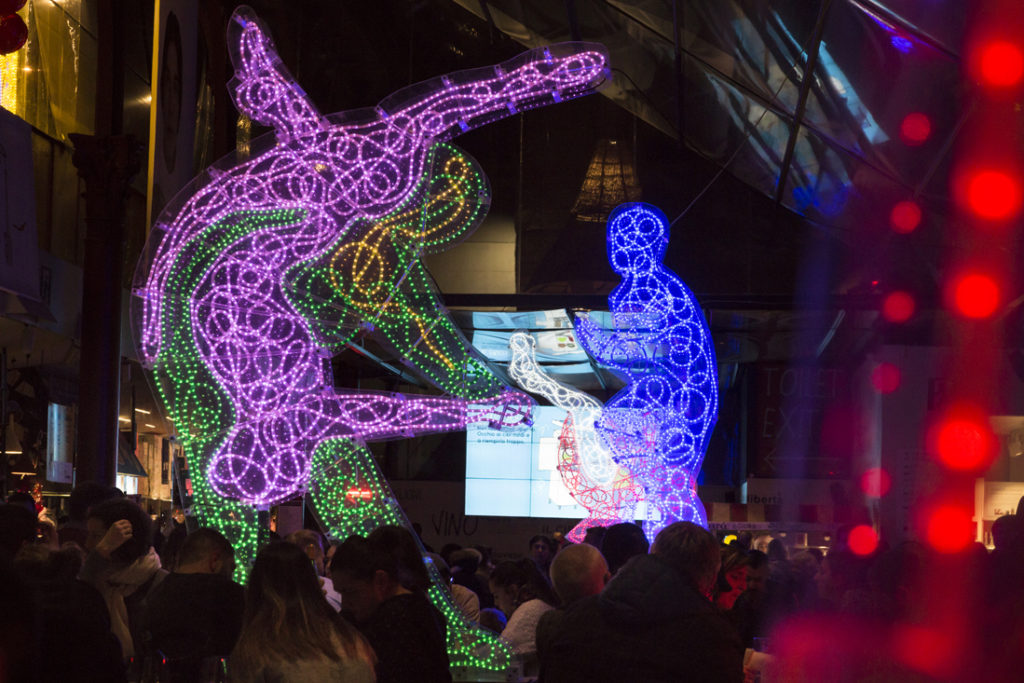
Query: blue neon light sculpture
[[659, 425]]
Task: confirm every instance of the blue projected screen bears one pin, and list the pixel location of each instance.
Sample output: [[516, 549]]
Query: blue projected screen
[[514, 472]]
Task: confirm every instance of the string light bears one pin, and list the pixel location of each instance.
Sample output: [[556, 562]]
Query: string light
[[608, 491], [260, 267], [661, 342]]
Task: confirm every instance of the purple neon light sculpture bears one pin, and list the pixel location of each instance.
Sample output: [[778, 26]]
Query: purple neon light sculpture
[[241, 365]]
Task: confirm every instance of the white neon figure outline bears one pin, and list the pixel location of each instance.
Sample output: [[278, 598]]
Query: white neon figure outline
[[599, 472]]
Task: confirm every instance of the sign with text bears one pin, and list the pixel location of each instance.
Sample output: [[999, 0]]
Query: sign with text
[[805, 424]]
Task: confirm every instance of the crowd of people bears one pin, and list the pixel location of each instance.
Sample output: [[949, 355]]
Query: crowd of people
[[105, 596]]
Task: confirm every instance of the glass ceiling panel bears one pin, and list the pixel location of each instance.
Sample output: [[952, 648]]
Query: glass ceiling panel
[[871, 76]]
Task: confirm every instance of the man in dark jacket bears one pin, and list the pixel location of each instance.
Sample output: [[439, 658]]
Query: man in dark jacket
[[653, 622], [196, 612]]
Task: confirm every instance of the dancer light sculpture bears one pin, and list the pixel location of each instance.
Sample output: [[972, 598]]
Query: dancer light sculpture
[[659, 425], [608, 491], [263, 267]]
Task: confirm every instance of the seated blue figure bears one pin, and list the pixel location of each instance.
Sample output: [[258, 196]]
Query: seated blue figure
[[659, 425]]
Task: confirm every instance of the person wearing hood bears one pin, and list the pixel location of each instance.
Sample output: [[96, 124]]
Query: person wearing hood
[[123, 566], [653, 622]]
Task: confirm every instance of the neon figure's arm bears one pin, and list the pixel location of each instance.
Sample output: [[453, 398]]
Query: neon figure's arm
[[619, 348]]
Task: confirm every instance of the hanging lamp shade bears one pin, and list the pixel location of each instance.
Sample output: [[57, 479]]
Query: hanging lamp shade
[[610, 180]]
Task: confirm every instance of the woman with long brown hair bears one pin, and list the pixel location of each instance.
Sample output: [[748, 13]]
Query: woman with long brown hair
[[290, 632]]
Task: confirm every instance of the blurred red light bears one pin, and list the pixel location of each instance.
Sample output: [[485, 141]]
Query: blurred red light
[[915, 128], [949, 529], [994, 195], [875, 482], [905, 216], [975, 295], [965, 443], [925, 649], [1001, 63], [885, 378], [863, 540], [898, 307]]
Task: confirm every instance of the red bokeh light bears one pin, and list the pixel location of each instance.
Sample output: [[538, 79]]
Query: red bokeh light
[[965, 442], [975, 295], [915, 128], [898, 307], [994, 195], [875, 482], [885, 378], [1001, 64], [949, 529], [905, 216], [863, 540], [924, 649]]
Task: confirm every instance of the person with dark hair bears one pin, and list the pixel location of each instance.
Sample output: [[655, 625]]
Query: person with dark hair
[[73, 641], [18, 527], [464, 565], [24, 500], [524, 596], [174, 532], [83, 497], [595, 536], [312, 543], [732, 577], [542, 551], [621, 542], [383, 580], [654, 621], [122, 565], [289, 632], [196, 612]]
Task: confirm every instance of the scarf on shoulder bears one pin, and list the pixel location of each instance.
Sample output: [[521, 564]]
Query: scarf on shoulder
[[118, 585]]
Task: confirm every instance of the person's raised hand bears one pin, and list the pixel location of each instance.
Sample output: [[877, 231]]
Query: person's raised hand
[[117, 535]]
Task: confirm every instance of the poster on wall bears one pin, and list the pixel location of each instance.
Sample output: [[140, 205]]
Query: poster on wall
[[60, 443], [19, 248]]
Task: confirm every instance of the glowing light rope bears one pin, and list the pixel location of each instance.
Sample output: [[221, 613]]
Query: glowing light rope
[[376, 278], [662, 343], [245, 287], [607, 490]]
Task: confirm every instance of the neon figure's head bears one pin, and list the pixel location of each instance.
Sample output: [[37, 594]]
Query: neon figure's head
[[637, 237]]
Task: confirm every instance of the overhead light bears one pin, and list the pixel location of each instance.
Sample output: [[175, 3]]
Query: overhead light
[[124, 419], [151, 426], [12, 446], [142, 410]]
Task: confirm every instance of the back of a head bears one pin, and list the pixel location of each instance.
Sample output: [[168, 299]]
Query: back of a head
[[621, 542], [283, 579], [595, 536], [87, 494], [287, 617], [202, 544], [22, 499], [526, 578], [1006, 532], [691, 549], [114, 509], [17, 527], [304, 538], [578, 571], [466, 560], [777, 550], [396, 551]]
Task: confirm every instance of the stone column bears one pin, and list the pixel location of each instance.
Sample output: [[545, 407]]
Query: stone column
[[107, 165]]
